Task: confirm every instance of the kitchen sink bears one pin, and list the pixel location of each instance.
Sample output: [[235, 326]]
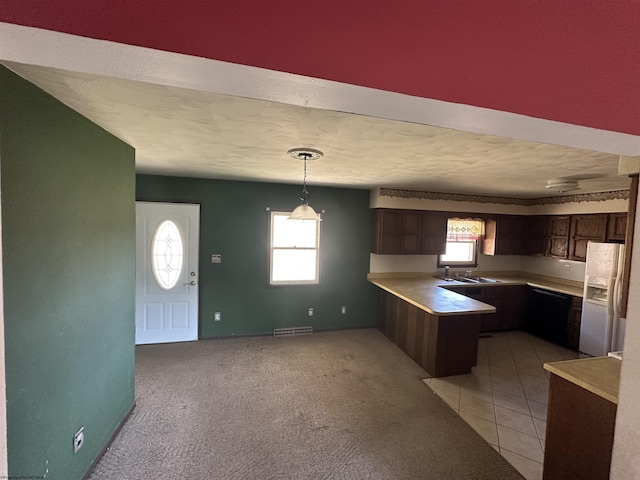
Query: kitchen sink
[[477, 280]]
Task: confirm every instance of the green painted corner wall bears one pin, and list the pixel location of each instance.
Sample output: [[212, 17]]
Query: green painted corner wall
[[235, 223], [68, 238]]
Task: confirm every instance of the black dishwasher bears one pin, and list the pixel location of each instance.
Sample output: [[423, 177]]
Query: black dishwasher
[[547, 315]]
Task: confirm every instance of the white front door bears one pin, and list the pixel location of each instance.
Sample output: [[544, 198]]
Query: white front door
[[166, 272]]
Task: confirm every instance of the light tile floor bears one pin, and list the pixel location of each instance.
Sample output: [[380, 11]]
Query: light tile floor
[[504, 398]]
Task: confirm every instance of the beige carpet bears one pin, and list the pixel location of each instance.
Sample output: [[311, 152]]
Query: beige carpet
[[333, 405]]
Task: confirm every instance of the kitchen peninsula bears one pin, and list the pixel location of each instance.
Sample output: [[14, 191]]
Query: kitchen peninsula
[[439, 328], [583, 402]]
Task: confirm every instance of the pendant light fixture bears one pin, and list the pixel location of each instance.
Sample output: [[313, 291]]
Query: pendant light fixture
[[304, 211]]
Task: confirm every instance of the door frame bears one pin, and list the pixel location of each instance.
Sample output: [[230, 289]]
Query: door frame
[[197, 261]]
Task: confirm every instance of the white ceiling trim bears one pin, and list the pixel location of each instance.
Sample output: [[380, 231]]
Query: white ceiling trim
[[46, 48]]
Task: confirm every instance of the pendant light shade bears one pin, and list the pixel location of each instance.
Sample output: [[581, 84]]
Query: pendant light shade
[[304, 211]]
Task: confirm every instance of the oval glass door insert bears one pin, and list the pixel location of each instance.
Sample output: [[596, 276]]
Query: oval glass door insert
[[167, 255]]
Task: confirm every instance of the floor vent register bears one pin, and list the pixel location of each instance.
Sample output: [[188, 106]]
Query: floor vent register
[[290, 332]]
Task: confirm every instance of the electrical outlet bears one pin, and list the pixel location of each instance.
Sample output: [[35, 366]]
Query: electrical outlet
[[567, 267], [343, 310], [78, 439], [217, 317], [216, 258], [310, 312]]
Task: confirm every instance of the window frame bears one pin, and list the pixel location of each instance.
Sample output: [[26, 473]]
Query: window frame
[[276, 283]]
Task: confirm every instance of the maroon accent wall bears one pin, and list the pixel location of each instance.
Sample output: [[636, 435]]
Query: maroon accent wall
[[574, 61]]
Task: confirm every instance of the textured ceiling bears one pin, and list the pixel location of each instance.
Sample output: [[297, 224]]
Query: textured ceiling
[[191, 133]]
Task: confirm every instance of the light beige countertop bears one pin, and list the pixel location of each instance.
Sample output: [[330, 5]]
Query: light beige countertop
[[425, 291], [599, 375], [549, 283], [426, 294]]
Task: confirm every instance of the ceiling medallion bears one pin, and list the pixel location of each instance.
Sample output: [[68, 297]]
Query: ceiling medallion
[[305, 153]]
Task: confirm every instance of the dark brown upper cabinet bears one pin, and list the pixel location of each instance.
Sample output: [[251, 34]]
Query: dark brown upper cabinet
[[411, 232], [498, 236], [617, 227], [536, 240], [434, 233], [408, 232], [586, 228], [507, 235], [558, 236], [418, 232], [387, 230]]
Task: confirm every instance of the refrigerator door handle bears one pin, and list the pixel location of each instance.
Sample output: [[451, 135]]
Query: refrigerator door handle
[[617, 297]]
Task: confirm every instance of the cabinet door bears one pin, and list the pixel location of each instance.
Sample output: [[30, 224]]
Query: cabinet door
[[411, 232], [573, 324], [585, 228], [559, 226], [578, 248], [434, 234], [617, 227], [558, 247], [593, 227], [558, 236], [515, 307], [520, 236], [387, 228], [493, 296], [537, 235], [505, 233], [499, 236]]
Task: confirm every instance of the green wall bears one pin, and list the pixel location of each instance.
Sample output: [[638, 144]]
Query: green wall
[[68, 239], [234, 223]]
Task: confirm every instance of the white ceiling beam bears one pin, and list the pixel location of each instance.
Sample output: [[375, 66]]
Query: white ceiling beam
[[46, 48]]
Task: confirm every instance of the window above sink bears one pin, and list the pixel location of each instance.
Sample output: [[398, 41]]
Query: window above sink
[[463, 236]]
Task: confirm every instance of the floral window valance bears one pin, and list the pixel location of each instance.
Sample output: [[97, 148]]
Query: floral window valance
[[464, 229]]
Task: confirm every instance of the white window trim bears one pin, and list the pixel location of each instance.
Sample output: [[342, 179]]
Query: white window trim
[[272, 248]]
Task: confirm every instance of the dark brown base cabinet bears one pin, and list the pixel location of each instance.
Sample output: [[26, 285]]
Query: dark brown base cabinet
[[573, 325], [580, 429], [510, 302], [442, 345]]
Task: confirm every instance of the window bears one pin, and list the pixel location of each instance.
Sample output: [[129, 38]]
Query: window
[[463, 236], [294, 250], [166, 255]]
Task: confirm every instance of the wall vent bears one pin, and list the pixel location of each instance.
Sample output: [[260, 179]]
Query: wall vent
[[289, 332]]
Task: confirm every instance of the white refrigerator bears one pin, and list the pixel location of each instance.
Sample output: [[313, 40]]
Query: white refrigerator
[[601, 328]]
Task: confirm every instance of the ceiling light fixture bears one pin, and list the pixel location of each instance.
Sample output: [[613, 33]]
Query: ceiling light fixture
[[304, 211], [561, 185]]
